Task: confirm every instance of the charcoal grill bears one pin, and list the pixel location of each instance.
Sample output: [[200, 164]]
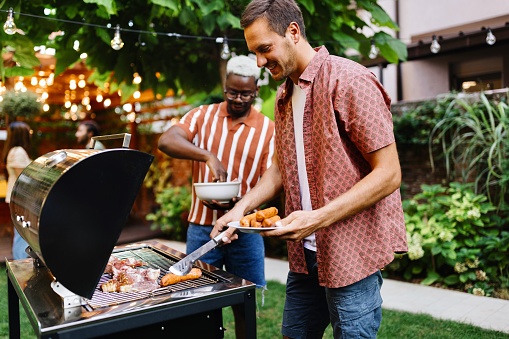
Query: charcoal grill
[[70, 206]]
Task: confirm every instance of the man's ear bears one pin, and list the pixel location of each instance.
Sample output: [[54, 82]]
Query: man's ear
[[294, 31]]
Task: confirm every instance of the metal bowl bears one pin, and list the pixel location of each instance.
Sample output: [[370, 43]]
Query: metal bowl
[[219, 191]]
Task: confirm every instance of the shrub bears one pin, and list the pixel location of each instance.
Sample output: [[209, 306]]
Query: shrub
[[171, 216], [455, 239], [473, 136]]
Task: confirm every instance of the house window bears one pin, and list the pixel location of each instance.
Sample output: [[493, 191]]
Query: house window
[[483, 82]]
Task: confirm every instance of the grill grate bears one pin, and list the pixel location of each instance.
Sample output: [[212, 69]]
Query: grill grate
[[153, 260]]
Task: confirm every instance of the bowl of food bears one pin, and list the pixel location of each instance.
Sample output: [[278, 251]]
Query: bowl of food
[[219, 191]]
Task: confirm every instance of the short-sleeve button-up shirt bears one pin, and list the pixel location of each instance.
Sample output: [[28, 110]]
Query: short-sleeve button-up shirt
[[347, 113]]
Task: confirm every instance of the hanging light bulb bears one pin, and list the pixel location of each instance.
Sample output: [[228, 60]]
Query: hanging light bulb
[[435, 46], [490, 38], [10, 26], [225, 52], [373, 51], [116, 42]]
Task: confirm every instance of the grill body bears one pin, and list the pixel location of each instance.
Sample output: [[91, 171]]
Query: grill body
[[190, 310]]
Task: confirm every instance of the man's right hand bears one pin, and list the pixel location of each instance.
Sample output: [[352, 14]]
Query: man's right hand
[[216, 169], [234, 215]]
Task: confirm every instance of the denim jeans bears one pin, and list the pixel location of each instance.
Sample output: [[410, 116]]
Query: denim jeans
[[355, 311], [244, 257], [18, 247]]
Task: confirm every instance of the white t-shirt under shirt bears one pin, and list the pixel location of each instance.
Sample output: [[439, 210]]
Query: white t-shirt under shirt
[[298, 102], [16, 158]]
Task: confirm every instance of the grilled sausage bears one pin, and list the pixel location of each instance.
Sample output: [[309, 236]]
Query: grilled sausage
[[270, 222], [246, 221], [266, 213], [255, 223], [170, 278]]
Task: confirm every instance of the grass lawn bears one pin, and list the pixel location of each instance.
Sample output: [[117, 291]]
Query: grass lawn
[[394, 324]]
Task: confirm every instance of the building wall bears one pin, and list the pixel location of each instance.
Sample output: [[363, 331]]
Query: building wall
[[422, 79]]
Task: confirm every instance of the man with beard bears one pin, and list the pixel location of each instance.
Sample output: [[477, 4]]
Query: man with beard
[[340, 174], [226, 141], [86, 130]]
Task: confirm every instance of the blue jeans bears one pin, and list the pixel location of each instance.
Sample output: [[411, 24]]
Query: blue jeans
[[355, 311], [244, 257], [18, 247]]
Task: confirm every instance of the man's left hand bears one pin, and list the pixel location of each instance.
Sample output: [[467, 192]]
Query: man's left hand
[[216, 205]]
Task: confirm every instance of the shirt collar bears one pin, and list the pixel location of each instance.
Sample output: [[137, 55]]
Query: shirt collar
[[249, 121], [311, 70]]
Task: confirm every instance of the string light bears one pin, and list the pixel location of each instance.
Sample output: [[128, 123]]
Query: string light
[[10, 26], [490, 38], [116, 42], [373, 51], [435, 46], [225, 52]]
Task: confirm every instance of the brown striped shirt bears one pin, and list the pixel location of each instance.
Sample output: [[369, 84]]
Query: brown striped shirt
[[245, 149]]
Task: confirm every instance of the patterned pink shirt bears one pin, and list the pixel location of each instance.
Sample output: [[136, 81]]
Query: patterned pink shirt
[[346, 114]]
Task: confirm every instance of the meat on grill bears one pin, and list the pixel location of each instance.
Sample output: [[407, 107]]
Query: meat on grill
[[128, 277]]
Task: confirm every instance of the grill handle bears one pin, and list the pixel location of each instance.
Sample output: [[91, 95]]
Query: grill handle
[[125, 136]]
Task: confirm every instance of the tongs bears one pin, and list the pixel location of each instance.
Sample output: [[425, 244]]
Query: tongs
[[184, 266]]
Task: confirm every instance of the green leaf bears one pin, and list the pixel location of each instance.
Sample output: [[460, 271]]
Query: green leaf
[[171, 4], [18, 71], [208, 24], [65, 58], [452, 279], [127, 91], [109, 5], [431, 278], [308, 5], [346, 40]]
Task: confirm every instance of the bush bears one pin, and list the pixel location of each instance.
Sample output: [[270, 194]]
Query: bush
[[455, 239], [171, 216]]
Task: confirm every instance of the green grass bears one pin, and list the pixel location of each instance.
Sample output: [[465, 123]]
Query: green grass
[[394, 324]]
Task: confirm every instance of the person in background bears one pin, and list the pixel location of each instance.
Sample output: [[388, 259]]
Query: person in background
[[226, 141], [16, 158], [86, 130], [340, 174]]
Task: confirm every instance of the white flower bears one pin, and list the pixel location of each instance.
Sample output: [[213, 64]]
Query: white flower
[[478, 291]]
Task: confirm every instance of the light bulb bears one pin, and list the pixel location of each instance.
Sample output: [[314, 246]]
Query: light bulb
[[116, 42], [490, 38], [435, 46], [225, 52], [10, 26], [373, 51]]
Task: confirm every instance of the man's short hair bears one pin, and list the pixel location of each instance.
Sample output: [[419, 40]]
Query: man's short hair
[[91, 126], [244, 66]]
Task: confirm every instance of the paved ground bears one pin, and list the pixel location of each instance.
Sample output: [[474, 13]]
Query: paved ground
[[485, 312]]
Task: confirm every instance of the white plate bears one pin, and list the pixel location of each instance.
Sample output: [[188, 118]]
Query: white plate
[[244, 229]]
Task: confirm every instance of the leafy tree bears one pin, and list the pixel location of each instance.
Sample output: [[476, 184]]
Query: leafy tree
[[189, 60]]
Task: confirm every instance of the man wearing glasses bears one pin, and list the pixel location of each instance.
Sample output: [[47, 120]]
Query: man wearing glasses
[[226, 141]]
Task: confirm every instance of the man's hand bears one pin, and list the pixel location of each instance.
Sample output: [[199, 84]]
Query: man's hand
[[296, 226], [216, 205], [216, 169], [233, 215]]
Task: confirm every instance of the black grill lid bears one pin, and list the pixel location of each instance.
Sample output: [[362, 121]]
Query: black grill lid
[[76, 210]]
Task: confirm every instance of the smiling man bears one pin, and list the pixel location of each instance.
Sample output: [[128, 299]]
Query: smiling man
[[226, 141], [340, 174]]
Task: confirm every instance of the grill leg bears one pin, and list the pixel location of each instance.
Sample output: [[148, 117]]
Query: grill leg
[[13, 310], [250, 311]]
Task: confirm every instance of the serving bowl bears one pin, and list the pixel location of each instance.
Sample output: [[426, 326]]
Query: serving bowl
[[220, 191]]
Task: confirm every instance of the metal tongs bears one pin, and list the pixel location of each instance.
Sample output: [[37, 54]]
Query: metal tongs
[[184, 266]]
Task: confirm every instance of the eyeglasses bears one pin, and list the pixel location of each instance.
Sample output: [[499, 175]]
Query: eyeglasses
[[244, 96]]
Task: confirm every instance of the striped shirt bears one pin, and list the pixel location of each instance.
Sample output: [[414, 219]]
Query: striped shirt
[[245, 150]]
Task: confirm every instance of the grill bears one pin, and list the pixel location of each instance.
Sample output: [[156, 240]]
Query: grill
[[71, 236], [191, 309]]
